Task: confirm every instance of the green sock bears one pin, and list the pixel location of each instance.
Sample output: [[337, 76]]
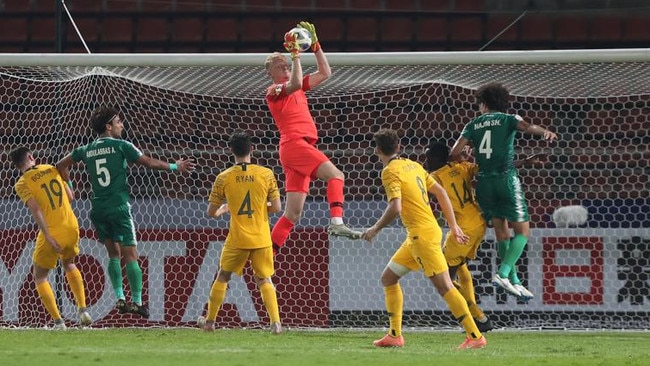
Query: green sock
[[502, 248], [134, 274], [512, 255], [514, 278], [115, 275]]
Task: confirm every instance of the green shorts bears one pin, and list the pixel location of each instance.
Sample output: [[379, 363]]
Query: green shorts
[[114, 224], [502, 197]]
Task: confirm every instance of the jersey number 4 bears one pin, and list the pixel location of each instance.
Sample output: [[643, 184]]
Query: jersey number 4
[[485, 147], [246, 208]]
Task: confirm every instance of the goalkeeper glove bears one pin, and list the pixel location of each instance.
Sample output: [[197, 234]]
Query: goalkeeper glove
[[291, 45], [315, 45]]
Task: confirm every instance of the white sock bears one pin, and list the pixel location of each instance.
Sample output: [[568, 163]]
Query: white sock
[[336, 221]]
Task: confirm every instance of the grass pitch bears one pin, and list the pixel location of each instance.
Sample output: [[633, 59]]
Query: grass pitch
[[185, 347]]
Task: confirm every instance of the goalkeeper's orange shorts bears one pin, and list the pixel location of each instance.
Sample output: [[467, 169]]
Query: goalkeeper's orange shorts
[[300, 159]]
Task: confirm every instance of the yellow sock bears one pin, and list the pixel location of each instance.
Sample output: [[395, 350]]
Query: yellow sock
[[76, 283], [394, 306], [47, 297], [458, 307], [270, 299], [217, 295], [467, 290]]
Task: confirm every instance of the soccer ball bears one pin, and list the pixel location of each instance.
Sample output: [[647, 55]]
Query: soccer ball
[[303, 38]]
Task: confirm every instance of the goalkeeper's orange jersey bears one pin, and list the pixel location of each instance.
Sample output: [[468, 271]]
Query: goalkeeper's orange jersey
[[246, 188], [407, 180], [456, 179], [44, 184], [291, 113]]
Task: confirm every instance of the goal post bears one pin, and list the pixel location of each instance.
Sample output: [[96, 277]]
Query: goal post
[[593, 275]]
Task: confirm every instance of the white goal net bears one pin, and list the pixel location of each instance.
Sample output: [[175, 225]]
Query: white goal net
[[595, 275]]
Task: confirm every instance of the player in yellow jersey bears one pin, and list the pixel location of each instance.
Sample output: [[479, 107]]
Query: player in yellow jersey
[[48, 198], [249, 192], [407, 185], [456, 178]]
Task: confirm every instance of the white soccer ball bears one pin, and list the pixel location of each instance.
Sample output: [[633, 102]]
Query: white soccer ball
[[303, 38]]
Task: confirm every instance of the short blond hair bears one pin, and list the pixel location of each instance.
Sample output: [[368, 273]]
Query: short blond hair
[[272, 58]]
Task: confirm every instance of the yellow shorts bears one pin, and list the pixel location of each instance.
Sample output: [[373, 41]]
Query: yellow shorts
[[234, 260], [45, 256], [457, 253], [422, 251]]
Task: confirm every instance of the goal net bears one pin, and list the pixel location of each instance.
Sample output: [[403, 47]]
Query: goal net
[[591, 275]]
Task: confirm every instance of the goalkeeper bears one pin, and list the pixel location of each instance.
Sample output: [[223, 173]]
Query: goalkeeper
[[300, 159]]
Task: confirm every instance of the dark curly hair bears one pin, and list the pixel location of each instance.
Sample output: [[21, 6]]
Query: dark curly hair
[[494, 95]]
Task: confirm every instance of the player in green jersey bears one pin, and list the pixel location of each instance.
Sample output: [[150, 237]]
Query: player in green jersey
[[498, 189], [106, 161]]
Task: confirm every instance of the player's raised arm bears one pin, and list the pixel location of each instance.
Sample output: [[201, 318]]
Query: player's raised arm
[[323, 71], [295, 77]]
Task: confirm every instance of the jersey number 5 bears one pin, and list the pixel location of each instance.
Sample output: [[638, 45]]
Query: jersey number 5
[[103, 175]]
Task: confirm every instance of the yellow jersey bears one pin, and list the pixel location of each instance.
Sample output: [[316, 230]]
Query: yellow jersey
[[456, 179], [44, 184], [407, 180], [246, 188]]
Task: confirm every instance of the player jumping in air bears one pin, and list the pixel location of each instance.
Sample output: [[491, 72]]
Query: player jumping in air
[[300, 158], [498, 189]]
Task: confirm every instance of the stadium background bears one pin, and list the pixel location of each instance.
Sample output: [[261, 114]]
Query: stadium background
[[607, 176]]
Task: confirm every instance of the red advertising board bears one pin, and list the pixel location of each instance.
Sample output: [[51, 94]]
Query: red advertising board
[[301, 279]]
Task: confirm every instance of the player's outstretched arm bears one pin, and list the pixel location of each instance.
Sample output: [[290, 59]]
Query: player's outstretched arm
[[295, 78], [324, 71], [529, 128], [182, 165]]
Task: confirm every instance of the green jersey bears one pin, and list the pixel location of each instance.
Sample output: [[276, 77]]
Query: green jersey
[[492, 136], [106, 162]]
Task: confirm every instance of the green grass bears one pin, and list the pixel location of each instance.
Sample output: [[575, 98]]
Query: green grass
[[185, 347]]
